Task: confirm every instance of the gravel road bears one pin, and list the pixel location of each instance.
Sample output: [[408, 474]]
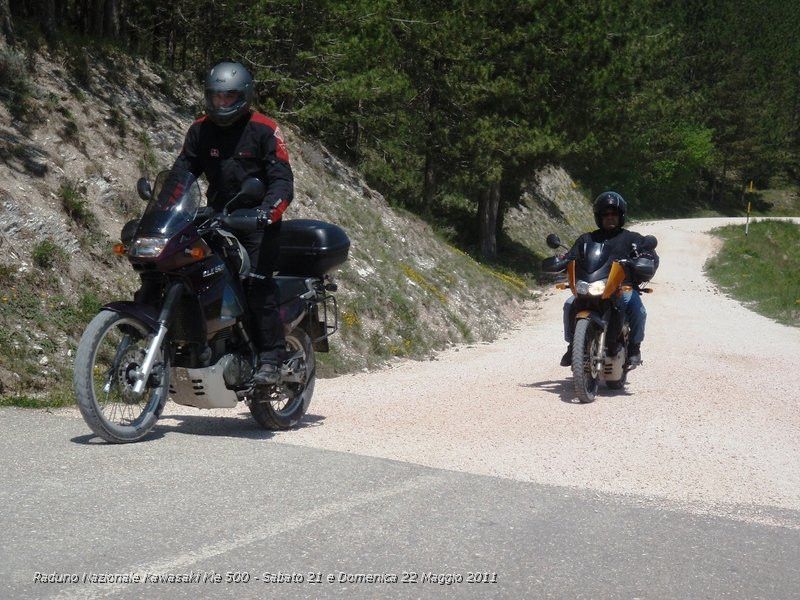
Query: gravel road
[[710, 421]]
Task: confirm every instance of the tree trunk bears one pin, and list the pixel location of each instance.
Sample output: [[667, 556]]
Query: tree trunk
[[6, 28], [47, 19], [155, 39], [488, 209], [111, 19], [184, 45], [428, 183], [61, 12], [96, 18], [171, 48]]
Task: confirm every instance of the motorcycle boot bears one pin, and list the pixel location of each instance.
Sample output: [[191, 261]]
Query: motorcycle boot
[[566, 360], [634, 355], [268, 372]]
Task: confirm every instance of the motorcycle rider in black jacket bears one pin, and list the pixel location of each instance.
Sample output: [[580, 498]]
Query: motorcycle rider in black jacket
[[609, 213], [230, 144]]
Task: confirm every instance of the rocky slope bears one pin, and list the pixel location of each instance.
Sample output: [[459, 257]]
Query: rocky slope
[[84, 126]]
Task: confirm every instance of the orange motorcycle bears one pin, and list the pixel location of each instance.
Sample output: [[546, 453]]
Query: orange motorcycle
[[600, 330]]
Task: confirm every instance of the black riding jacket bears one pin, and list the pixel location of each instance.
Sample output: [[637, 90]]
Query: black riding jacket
[[620, 241], [250, 147]]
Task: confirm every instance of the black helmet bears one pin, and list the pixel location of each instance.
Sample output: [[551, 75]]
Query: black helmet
[[233, 78], [609, 200]]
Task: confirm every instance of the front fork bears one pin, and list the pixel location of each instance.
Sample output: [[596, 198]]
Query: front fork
[[142, 374]]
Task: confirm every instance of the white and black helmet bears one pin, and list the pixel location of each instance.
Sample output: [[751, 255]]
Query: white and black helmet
[[228, 77]]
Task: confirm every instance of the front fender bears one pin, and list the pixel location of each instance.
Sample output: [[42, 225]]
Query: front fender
[[594, 316], [144, 313]]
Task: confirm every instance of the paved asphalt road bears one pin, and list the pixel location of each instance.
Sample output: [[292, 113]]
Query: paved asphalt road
[[216, 495]]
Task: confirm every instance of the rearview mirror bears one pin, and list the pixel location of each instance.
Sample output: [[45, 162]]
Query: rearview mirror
[[553, 241], [253, 189], [553, 264], [144, 190]]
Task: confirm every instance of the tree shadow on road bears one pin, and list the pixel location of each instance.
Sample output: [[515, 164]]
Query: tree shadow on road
[[235, 427]]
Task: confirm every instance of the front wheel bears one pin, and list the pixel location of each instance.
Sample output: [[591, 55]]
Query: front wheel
[[585, 352], [283, 405], [111, 349]]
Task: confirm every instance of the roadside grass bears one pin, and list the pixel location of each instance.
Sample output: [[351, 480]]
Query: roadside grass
[[762, 270], [33, 302], [780, 201]]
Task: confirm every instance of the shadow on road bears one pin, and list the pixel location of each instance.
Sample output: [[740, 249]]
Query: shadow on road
[[566, 391], [563, 388], [236, 427]]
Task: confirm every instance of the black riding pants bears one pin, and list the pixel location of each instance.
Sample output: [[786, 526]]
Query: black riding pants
[[262, 292]]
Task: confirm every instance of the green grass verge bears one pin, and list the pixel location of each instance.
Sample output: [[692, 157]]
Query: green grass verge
[[761, 269], [63, 396], [37, 319]]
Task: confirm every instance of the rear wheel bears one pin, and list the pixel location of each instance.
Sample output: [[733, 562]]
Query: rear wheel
[[585, 352], [282, 406], [111, 350]]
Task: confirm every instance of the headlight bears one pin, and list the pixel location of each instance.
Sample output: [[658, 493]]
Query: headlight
[[596, 288], [148, 247]]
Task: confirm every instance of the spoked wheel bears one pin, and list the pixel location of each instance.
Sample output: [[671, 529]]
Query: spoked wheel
[[112, 348], [282, 406], [585, 354]]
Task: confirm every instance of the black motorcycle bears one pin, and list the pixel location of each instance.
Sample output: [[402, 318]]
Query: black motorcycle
[[187, 333], [600, 331]]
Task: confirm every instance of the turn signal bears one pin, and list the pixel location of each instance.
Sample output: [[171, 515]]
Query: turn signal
[[119, 249], [561, 286], [197, 253]]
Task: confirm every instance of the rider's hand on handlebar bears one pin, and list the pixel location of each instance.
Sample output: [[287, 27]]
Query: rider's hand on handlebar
[[265, 218]]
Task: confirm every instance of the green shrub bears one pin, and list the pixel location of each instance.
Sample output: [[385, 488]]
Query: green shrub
[[117, 120], [7, 274], [16, 82], [16, 86], [73, 200], [89, 305], [148, 163], [47, 254], [71, 131], [81, 68]]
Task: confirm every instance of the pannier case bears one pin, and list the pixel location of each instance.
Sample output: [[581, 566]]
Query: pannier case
[[311, 248]]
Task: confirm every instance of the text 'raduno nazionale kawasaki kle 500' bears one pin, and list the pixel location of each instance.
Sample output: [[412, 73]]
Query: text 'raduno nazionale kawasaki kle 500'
[[189, 337]]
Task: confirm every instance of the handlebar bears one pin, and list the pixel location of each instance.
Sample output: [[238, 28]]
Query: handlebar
[[246, 220]]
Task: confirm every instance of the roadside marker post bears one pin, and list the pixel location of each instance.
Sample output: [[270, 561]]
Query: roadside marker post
[[747, 223]]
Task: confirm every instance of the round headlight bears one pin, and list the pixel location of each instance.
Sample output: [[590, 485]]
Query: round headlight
[[596, 288]]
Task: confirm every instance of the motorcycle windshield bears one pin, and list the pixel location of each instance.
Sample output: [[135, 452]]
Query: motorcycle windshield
[[173, 205], [593, 256]]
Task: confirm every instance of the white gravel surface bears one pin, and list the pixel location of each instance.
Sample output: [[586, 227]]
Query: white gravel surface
[[709, 423]]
